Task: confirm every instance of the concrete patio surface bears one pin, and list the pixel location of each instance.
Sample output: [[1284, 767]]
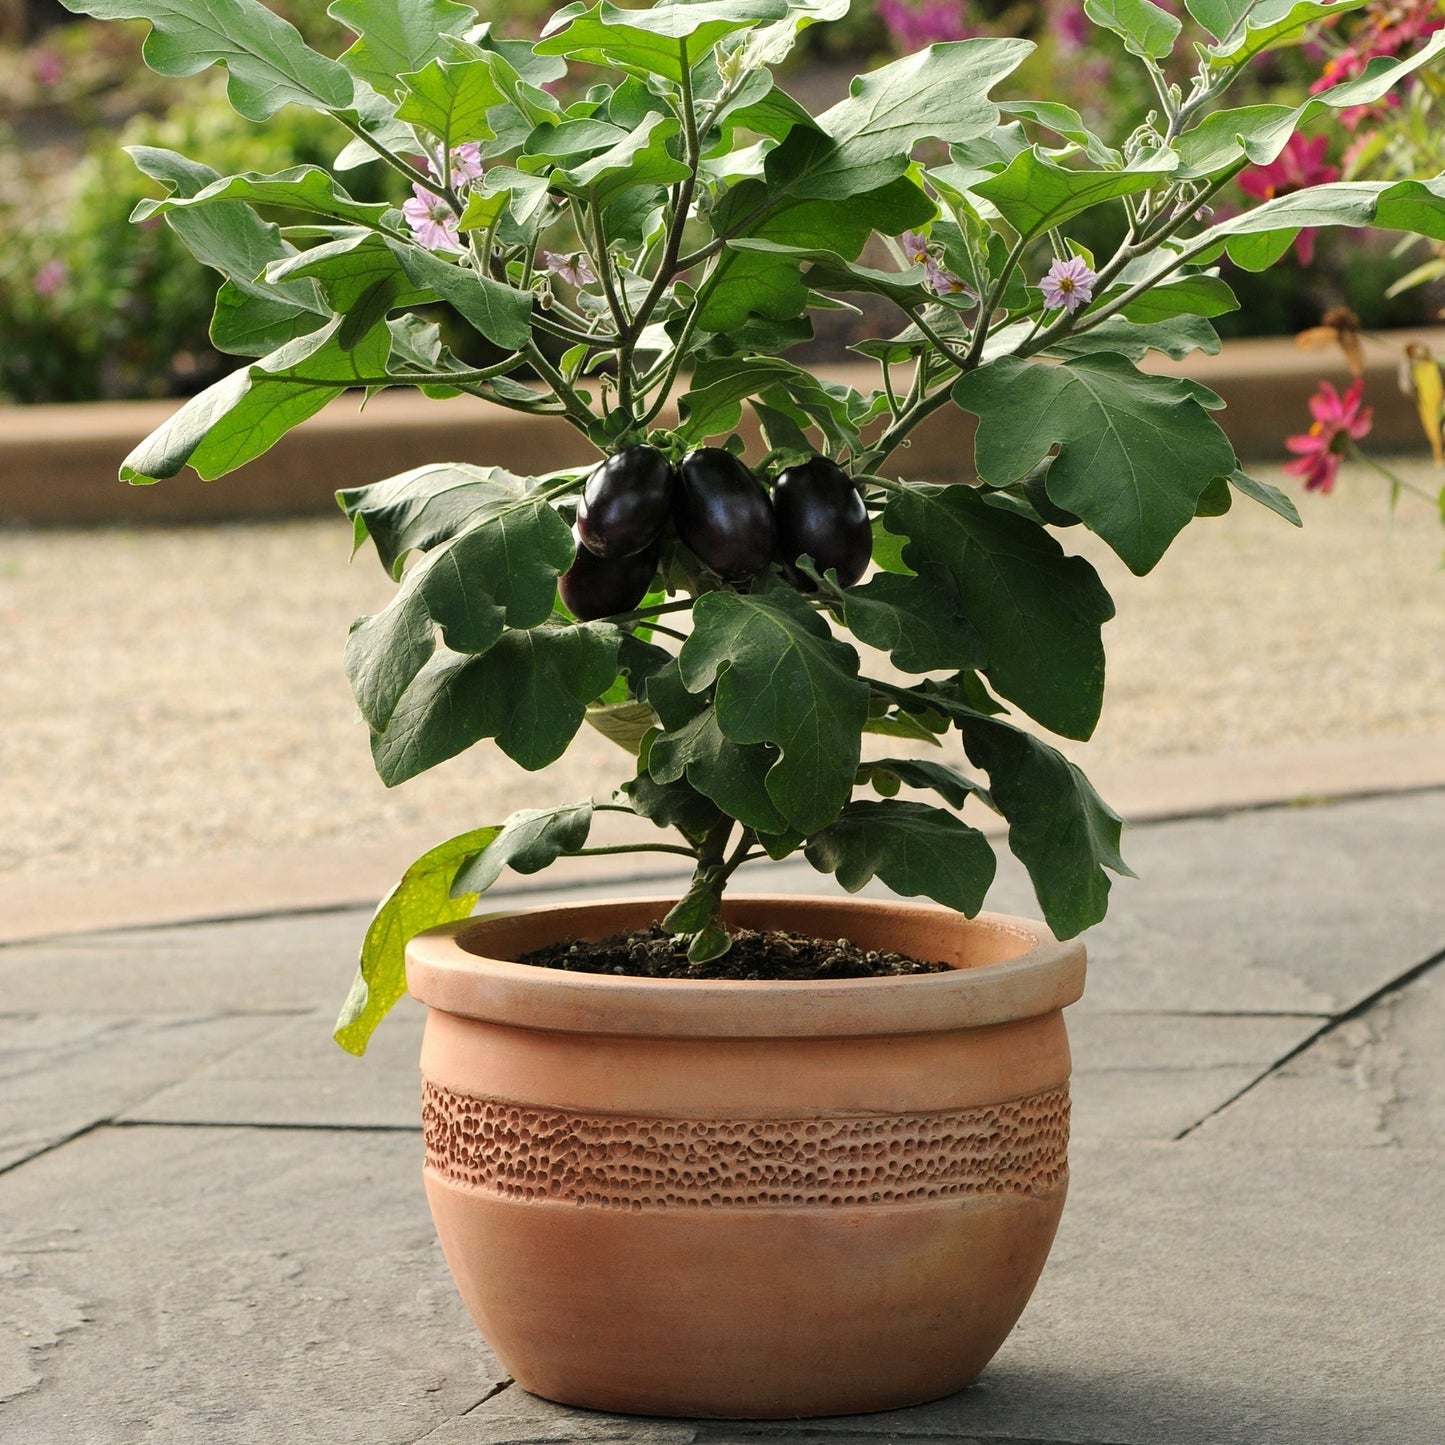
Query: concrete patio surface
[[212, 1227]]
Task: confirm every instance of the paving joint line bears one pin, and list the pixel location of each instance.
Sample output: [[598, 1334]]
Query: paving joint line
[[260, 1124], [54, 1145], [1334, 1021]]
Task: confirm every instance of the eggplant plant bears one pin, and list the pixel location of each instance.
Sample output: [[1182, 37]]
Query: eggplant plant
[[628, 225]]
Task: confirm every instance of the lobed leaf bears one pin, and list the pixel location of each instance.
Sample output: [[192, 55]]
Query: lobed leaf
[[914, 848], [421, 900], [1134, 451], [782, 678], [529, 691], [1038, 611], [269, 63], [528, 841]]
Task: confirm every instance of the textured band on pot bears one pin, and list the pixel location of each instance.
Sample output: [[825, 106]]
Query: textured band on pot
[[623, 1162]]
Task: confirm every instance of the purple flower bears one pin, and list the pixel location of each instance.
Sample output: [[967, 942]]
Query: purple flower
[[575, 270], [49, 278], [431, 220], [913, 26], [1069, 284], [943, 282], [915, 247]]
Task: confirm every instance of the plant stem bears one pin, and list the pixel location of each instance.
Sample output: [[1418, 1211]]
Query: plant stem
[[675, 848], [442, 188]]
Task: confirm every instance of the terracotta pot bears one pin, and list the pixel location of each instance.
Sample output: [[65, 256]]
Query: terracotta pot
[[746, 1200]]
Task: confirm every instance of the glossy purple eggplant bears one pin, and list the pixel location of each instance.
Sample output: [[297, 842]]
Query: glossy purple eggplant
[[821, 515], [594, 586], [625, 502], [723, 515]]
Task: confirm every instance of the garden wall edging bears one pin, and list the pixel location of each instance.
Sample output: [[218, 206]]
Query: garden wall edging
[[58, 463]]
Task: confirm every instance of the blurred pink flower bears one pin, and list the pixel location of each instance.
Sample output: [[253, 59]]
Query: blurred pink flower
[[1300, 164], [1069, 25], [431, 220], [1339, 420], [47, 67], [912, 26], [1069, 284], [50, 278]]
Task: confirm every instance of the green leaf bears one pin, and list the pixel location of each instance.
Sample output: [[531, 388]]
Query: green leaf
[[302, 188], [530, 692], [530, 840], [1038, 611], [673, 805], [768, 283], [421, 900], [940, 93], [1259, 133], [501, 313], [1176, 338], [639, 159], [1266, 495], [245, 413], [1146, 30], [1059, 827], [650, 42], [782, 678], [1134, 452], [452, 100], [252, 316], [919, 620], [500, 572], [397, 36], [1220, 17], [1188, 296], [1068, 123], [692, 746], [712, 404], [915, 849], [831, 272], [953, 787], [1253, 238], [421, 508], [1034, 193], [1273, 23], [269, 64]]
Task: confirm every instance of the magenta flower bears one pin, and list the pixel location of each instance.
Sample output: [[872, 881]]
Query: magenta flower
[[431, 220], [1069, 284], [575, 270], [913, 26], [1339, 420], [1299, 165], [49, 278], [1069, 25]]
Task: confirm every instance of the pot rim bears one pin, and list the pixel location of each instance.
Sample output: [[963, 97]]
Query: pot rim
[[445, 971]]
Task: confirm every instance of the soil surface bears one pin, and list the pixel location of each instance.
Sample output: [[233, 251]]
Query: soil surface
[[771, 956]]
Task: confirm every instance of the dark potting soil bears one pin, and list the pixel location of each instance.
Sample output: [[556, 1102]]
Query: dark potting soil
[[773, 955]]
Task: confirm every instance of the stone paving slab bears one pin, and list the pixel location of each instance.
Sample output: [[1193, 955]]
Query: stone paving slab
[[1155, 1076], [1241, 1296], [172, 1286], [297, 1075], [1375, 1082], [62, 1073], [1272, 1278]]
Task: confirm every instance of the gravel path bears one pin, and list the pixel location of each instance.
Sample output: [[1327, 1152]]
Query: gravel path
[[173, 694]]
